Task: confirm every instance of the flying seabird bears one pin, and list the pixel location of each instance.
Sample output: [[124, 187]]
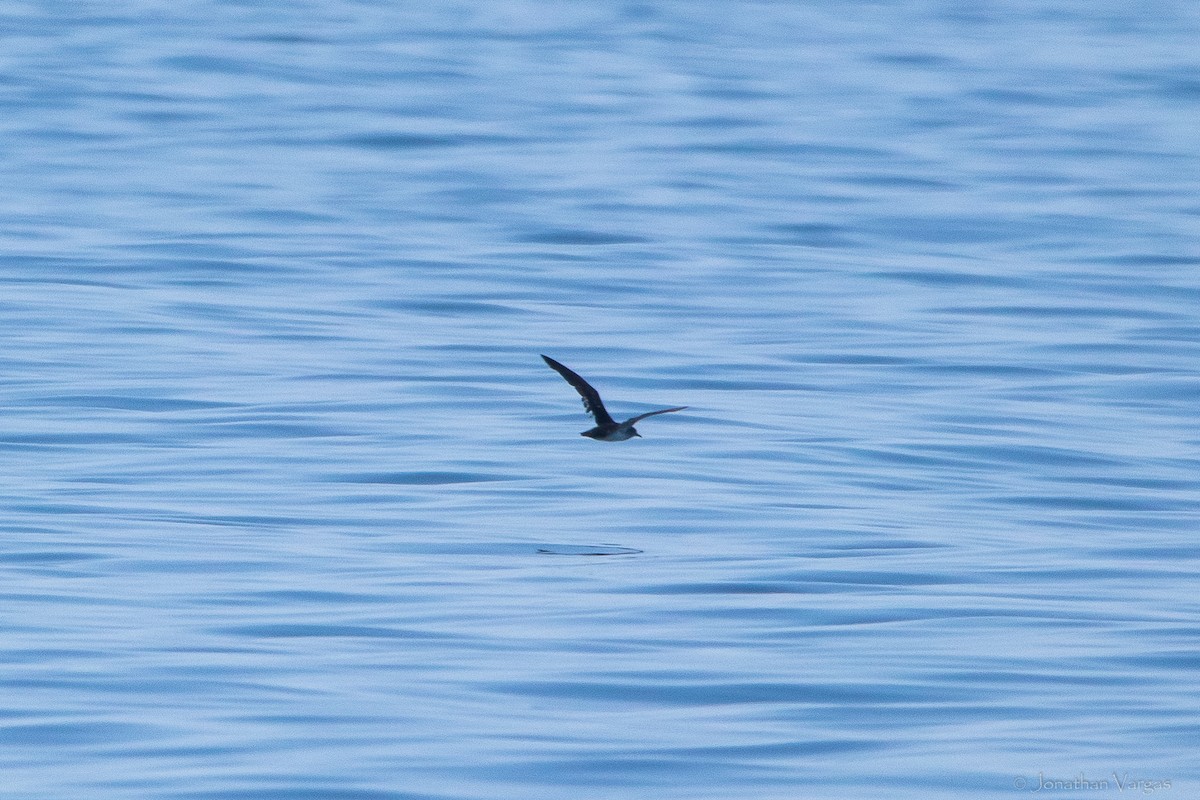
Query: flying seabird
[[607, 429]]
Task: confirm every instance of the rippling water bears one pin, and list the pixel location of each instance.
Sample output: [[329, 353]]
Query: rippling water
[[293, 509]]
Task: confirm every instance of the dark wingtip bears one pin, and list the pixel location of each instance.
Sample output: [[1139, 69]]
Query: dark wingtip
[[554, 365]]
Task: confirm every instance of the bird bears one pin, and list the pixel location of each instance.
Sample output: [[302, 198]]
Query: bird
[[607, 429]]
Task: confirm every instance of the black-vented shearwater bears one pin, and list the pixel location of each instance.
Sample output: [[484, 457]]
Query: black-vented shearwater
[[607, 429]]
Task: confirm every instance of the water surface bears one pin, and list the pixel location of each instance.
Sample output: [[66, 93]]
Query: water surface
[[293, 509]]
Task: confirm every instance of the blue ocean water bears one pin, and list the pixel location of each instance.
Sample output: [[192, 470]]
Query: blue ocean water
[[291, 508]]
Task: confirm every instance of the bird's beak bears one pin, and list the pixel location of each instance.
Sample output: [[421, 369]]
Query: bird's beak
[[638, 435]]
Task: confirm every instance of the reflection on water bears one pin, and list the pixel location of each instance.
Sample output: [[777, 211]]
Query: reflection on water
[[293, 509]]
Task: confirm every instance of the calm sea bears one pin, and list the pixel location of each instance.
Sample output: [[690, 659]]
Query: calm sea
[[291, 508]]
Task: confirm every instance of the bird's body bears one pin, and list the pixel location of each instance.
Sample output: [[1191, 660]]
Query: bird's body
[[607, 429], [615, 432]]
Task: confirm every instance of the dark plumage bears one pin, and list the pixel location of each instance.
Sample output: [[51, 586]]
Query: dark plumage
[[607, 429]]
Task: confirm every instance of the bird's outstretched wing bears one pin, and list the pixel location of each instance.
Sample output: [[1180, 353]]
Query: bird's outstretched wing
[[591, 398], [634, 420]]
